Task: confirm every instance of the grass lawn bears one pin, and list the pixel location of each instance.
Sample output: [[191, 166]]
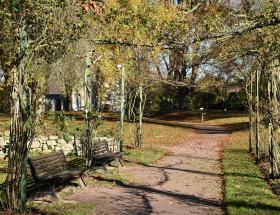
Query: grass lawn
[[230, 120], [155, 140], [101, 178], [216, 117], [246, 191], [144, 155]]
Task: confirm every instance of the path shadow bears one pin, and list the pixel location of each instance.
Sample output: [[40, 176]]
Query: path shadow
[[237, 126], [219, 129], [183, 170], [184, 198], [210, 131], [131, 201], [192, 157], [170, 167]]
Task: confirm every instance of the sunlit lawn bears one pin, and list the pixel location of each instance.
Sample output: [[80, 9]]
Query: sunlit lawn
[[246, 192], [216, 117], [155, 139], [238, 119]]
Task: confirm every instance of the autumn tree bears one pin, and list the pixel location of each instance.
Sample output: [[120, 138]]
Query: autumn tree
[[250, 44], [33, 34], [128, 33]]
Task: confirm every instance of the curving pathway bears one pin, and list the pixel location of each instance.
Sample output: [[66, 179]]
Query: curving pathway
[[188, 181]]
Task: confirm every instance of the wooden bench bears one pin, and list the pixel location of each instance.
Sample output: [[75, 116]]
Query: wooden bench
[[52, 170], [102, 156]]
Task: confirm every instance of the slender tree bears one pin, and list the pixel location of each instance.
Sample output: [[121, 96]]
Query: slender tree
[[33, 30]]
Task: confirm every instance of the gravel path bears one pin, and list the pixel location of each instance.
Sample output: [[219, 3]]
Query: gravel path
[[188, 181]]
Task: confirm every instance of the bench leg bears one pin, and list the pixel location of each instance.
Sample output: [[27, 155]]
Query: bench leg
[[36, 193], [105, 167], [55, 195], [82, 182], [50, 191], [120, 161]]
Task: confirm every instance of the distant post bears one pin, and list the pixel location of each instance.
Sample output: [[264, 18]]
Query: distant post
[[202, 114], [202, 117]]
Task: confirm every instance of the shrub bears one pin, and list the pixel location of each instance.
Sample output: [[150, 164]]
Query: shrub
[[60, 121]]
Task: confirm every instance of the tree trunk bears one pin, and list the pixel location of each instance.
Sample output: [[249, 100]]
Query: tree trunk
[[271, 150], [23, 117], [122, 110], [132, 117], [257, 119], [251, 112], [139, 130], [273, 122], [86, 138]]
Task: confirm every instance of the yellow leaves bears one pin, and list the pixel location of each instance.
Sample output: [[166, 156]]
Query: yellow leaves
[[155, 53], [165, 14], [134, 23], [139, 21], [136, 5]]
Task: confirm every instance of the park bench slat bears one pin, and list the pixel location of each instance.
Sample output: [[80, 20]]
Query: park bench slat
[[47, 156], [53, 169], [60, 162], [102, 156], [47, 159], [51, 162]]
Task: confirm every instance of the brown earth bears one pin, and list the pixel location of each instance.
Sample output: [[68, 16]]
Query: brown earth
[[188, 181]]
